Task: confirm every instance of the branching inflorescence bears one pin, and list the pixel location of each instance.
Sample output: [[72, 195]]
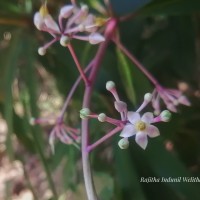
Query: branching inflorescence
[[77, 23], [131, 123]]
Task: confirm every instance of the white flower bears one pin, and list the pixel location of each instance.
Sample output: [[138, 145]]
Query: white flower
[[73, 23], [140, 127]]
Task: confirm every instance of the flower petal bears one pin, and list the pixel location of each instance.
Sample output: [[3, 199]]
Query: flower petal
[[90, 20], [96, 38], [171, 107], [141, 139], [147, 117], [38, 20], [128, 131], [152, 131], [183, 100], [51, 24], [52, 137], [133, 117], [66, 11]]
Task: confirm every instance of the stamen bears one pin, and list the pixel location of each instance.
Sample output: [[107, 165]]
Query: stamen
[[43, 10], [140, 126]]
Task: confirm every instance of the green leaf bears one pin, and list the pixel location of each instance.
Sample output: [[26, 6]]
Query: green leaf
[[171, 7], [126, 76], [105, 185], [32, 85], [11, 61], [127, 175], [167, 165]]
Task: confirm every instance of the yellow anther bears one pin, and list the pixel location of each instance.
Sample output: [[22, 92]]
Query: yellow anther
[[43, 10], [99, 21], [140, 126]]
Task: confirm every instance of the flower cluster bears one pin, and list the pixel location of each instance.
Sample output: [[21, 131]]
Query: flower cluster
[[73, 23], [171, 97], [131, 123], [64, 133], [135, 124]]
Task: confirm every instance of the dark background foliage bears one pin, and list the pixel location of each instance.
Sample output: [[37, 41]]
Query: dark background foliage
[[165, 37]]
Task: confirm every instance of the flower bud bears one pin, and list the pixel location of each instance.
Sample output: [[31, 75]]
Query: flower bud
[[32, 121], [84, 8], [147, 97], [42, 51], [110, 85], [120, 106], [102, 117], [165, 115], [64, 40], [123, 143], [81, 27], [84, 113]]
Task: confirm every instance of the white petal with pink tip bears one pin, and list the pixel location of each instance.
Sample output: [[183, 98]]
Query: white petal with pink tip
[[152, 131], [96, 38], [147, 117], [141, 139], [38, 21], [51, 24], [66, 11], [128, 131], [133, 117], [183, 100]]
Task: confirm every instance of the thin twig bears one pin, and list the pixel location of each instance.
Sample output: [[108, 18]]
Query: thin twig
[[104, 138], [78, 65]]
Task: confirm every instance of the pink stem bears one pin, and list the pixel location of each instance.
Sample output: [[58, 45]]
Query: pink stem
[[114, 121], [50, 43], [60, 21], [71, 49], [136, 62], [110, 120], [104, 138], [90, 189], [69, 96]]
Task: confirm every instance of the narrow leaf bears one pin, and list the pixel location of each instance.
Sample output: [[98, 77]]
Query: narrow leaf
[[126, 76]]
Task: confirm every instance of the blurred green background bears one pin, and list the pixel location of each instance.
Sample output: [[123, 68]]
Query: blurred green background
[[165, 37]]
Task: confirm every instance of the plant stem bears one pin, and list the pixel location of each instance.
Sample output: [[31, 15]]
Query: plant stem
[[136, 62], [71, 49], [71, 92], [90, 189], [104, 138]]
